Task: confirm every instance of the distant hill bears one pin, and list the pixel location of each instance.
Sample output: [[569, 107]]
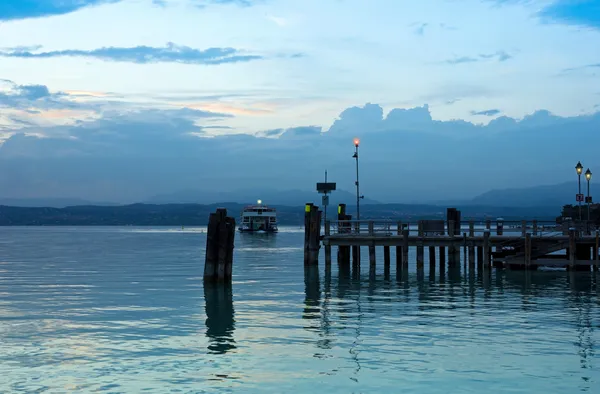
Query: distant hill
[[197, 214], [547, 195], [51, 202], [268, 196]]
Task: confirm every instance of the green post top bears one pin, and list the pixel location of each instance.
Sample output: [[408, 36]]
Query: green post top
[[308, 207]]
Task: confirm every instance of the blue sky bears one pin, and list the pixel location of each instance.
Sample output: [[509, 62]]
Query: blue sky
[[285, 63]]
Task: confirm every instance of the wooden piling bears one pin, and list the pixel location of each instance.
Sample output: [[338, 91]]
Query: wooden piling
[[535, 228], [420, 249], [471, 246], [218, 260], [386, 257], [343, 228], [405, 234], [399, 250], [442, 258], [597, 245], [528, 251], [499, 227], [572, 249], [488, 225], [451, 248], [523, 227], [327, 247], [312, 234], [486, 250]]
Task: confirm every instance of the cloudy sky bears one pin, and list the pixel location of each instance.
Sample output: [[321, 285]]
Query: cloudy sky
[[259, 67]]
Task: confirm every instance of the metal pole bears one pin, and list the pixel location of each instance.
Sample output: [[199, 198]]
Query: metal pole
[[357, 187], [579, 202]]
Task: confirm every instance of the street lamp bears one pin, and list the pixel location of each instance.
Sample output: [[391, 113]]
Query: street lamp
[[579, 169], [358, 196], [588, 177]]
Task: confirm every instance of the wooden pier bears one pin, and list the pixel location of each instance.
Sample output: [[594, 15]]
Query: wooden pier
[[523, 245]]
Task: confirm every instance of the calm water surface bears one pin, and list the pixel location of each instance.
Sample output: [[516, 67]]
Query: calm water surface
[[124, 310]]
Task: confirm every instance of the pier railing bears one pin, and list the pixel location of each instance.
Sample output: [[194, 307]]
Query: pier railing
[[471, 228]]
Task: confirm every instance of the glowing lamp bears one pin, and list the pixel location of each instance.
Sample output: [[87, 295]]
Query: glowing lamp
[[259, 202], [588, 174], [356, 142], [579, 168]]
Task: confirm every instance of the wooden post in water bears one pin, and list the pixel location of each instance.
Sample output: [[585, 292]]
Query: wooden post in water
[[356, 248], [535, 228], [486, 250], [420, 250], [451, 248], [572, 249], [372, 259], [312, 234], [488, 225], [442, 258], [405, 249], [523, 227], [527, 251], [597, 244], [471, 245], [343, 228], [399, 250], [219, 247], [499, 227], [327, 246], [386, 258], [432, 258]]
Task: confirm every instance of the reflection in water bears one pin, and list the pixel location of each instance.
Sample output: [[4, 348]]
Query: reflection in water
[[219, 317]]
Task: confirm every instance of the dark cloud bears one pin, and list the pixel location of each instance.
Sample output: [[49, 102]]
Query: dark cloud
[[171, 53], [405, 155], [487, 112], [23, 9]]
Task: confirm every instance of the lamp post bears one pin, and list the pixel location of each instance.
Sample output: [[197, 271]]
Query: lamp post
[[579, 169], [358, 196], [588, 177]]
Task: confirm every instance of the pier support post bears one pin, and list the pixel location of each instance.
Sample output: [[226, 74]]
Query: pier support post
[[442, 258], [312, 234], [386, 258], [405, 249], [572, 249], [218, 261], [527, 251], [471, 245], [523, 227], [488, 225], [343, 256], [356, 248], [535, 228], [432, 258], [399, 250], [486, 249], [596, 245], [451, 248], [420, 249], [327, 246], [499, 227]]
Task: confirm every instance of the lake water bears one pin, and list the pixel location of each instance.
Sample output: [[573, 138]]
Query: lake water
[[124, 310]]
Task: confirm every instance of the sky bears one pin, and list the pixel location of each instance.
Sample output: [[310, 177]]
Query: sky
[[137, 72]]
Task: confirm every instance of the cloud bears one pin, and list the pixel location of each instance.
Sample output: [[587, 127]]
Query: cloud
[[128, 156], [499, 56], [23, 9], [171, 53], [487, 112], [582, 68]]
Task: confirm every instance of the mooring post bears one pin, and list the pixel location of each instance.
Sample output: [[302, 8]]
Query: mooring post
[[356, 248], [327, 245], [528, 251], [431, 258], [343, 256], [535, 228], [597, 245], [572, 249], [420, 249], [386, 260], [471, 244], [372, 260], [499, 227], [307, 228], [486, 249], [523, 227], [405, 249], [399, 250], [488, 225], [314, 235], [442, 258], [219, 247], [451, 248]]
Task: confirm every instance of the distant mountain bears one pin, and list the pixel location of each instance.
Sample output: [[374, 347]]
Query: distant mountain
[[547, 195], [50, 202], [268, 196]]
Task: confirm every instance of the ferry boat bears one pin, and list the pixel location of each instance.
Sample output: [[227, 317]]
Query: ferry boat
[[258, 218]]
